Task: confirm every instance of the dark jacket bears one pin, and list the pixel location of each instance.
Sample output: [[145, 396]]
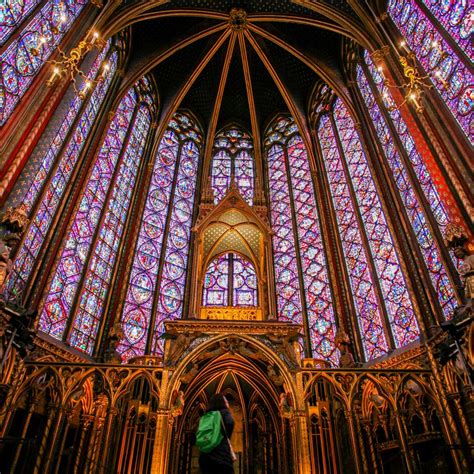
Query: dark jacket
[[220, 455]]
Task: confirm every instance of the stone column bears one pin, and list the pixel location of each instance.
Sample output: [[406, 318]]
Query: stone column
[[51, 410], [354, 441], [162, 445], [299, 430]]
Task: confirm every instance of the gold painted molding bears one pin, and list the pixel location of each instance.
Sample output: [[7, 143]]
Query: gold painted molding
[[233, 313]]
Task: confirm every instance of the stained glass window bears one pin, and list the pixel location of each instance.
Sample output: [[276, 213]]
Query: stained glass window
[[299, 259], [173, 278], [357, 261], [457, 17], [395, 294], [155, 289], [98, 276], [23, 58], [53, 175], [96, 228], [12, 13], [414, 209], [450, 75], [244, 283], [216, 283], [226, 269], [233, 156], [284, 248]]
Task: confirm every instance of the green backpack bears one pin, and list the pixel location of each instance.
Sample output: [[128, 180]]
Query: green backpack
[[209, 433]]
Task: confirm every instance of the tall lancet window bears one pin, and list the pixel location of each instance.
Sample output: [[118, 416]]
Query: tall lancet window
[[233, 157], [74, 302], [230, 280], [381, 298], [155, 288], [412, 179], [456, 19], [302, 283], [55, 167], [14, 12], [22, 57], [443, 44]]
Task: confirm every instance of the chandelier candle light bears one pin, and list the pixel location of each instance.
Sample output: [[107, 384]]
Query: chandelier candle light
[[416, 84], [68, 66]]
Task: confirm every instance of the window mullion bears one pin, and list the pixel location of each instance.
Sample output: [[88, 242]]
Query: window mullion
[[365, 240], [232, 167], [304, 309], [151, 327], [230, 281]]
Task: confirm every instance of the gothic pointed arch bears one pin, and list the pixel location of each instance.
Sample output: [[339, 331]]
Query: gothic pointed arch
[[232, 226]]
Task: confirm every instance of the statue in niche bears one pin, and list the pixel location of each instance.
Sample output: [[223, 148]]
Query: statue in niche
[[272, 375], [13, 225], [191, 374], [343, 344], [113, 340], [5, 264], [456, 240], [286, 410], [284, 346], [177, 404]]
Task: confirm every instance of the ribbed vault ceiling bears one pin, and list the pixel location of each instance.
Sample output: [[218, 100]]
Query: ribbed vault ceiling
[[243, 67]]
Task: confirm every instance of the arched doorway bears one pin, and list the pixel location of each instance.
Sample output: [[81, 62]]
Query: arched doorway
[[257, 391]]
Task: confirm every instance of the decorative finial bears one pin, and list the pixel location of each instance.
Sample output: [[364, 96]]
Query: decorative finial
[[343, 343]]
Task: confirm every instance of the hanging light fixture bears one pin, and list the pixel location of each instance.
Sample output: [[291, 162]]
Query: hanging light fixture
[[68, 65], [416, 84]]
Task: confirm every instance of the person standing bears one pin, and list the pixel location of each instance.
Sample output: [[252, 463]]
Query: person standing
[[220, 459]]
